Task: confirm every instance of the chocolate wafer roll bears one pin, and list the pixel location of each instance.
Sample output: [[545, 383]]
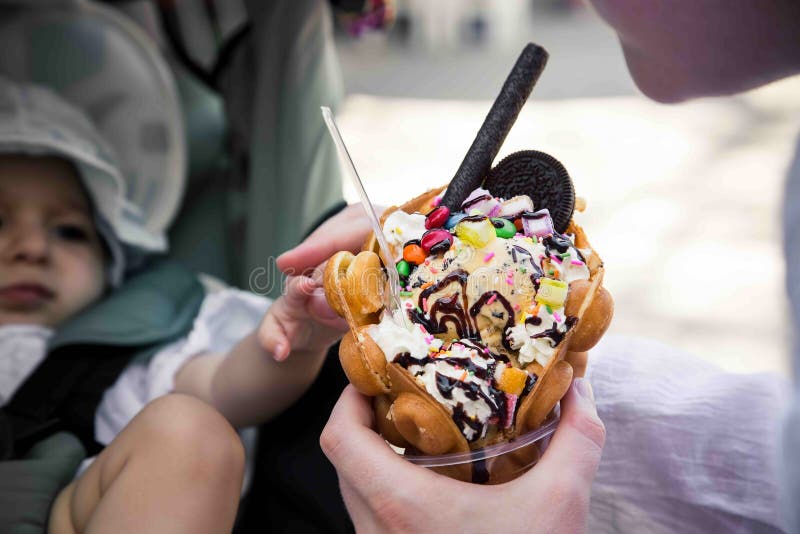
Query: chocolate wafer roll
[[495, 128]]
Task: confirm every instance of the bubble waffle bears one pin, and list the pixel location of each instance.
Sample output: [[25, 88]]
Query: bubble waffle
[[448, 353]]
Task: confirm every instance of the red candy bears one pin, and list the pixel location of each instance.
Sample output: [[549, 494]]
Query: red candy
[[518, 224], [437, 218], [436, 241]]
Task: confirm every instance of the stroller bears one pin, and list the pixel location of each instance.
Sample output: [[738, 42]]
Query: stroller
[[213, 108]]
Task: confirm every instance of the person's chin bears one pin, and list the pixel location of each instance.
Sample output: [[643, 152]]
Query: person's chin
[[29, 317], [689, 78]]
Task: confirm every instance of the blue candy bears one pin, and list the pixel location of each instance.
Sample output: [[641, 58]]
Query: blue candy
[[454, 219]]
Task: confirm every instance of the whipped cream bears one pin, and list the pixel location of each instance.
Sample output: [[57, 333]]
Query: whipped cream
[[401, 227]]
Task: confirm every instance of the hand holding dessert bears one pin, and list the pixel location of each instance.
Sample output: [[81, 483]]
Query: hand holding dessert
[[385, 493], [501, 296]]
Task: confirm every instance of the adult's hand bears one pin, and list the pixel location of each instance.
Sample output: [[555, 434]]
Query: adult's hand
[[383, 492], [347, 230]]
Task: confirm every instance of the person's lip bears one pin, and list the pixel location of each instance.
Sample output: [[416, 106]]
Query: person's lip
[[25, 294]]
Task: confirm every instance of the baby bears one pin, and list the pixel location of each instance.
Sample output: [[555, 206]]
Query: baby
[[230, 358]]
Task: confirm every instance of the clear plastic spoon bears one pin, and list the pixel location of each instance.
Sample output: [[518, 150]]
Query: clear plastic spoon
[[393, 298]]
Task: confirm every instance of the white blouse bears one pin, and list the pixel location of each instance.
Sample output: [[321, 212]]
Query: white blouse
[[224, 319]]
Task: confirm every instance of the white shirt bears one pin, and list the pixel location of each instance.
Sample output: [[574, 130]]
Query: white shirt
[[689, 448]]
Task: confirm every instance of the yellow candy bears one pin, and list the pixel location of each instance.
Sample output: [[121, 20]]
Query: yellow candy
[[551, 292], [512, 381], [477, 234]]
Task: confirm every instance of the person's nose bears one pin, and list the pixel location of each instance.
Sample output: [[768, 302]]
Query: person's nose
[[27, 242]]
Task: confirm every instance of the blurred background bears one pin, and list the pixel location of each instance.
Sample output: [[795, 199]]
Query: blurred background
[[683, 200]]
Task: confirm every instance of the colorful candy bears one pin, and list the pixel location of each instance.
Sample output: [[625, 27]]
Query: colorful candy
[[437, 218], [436, 241], [512, 381], [513, 207], [403, 268], [504, 228], [476, 233], [538, 223], [413, 253], [551, 292], [481, 202], [454, 219]]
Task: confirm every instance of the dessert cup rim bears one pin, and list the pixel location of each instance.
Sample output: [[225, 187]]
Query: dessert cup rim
[[485, 453]]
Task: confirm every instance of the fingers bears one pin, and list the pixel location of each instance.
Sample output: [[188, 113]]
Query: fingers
[[362, 458], [346, 230], [297, 292], [574, 452], [287, 320], [272, 337], [321, 311]]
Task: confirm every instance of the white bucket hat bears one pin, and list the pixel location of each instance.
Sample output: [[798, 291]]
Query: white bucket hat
[[101, 62], [35, 121]]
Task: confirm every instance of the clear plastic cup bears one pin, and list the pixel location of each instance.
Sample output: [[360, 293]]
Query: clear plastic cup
[[494, 464]]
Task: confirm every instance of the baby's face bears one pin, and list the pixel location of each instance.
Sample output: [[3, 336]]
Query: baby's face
[[51, 257]]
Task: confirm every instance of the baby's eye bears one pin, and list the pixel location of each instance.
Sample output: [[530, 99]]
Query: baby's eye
[[72, 232]]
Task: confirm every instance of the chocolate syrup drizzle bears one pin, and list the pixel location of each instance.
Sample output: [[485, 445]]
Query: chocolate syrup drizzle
[[476, 309], [447, 309], [467, 204], [560, 243], [492, 397], [537, 272]]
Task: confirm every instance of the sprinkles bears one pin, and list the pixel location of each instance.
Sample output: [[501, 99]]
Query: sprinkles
[[492, 298], [488, 257]]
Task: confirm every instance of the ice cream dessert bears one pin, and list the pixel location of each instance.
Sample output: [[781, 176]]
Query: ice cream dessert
[[501, 296], [485, 288]]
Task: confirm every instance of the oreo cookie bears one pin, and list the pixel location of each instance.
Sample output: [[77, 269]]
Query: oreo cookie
[[540, 176]]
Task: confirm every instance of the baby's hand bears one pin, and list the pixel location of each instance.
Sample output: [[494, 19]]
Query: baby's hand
[[300, 320]]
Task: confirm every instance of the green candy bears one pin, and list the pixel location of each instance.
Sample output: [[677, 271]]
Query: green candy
[[507, 231], [403, 268]]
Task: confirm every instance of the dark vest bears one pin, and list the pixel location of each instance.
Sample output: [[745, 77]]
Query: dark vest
[[88, 353]]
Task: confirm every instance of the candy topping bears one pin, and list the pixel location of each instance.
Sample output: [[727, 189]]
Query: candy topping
[[476, 233], [414, 253], [437, 218], [538, 224], [454, 219], [436, 241], [403, 268], [512, 380], [551, 292], [504, 228]]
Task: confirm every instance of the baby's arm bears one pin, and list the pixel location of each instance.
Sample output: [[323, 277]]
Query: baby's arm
[[257, 379]]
